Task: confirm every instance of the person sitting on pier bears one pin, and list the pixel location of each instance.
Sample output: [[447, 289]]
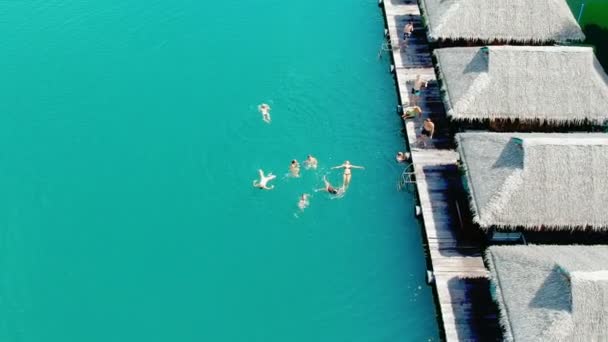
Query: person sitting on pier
[[419, 83], [329, 188], [295, 168], [347, 172], [411, 112], [265, 110], [402, 157], [311, 162], [407, 30], [428, 129], [261, 184]]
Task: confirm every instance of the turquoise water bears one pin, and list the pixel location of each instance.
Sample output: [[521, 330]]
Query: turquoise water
[[130, 139]]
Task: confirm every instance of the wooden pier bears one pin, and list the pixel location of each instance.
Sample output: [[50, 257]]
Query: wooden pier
[[461, 287]]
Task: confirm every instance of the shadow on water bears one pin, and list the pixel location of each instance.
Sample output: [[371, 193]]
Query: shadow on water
[[598, 37]]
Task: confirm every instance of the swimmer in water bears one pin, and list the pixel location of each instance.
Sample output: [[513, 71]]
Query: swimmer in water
[[347, 172], [295, 168], [402, 157], [261, 184], [265, 110], [329, 188], [311, 162], [304, 202]]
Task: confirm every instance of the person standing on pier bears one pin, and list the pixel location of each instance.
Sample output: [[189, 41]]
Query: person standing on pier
[[407, 31], [347, 172], [428, 129]]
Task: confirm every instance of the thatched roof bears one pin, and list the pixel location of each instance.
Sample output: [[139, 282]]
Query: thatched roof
[[537, 181], [521, 21], [551, 293], [554, 84]]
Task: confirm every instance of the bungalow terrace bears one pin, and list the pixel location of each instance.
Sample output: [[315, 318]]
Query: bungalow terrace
[[551, 293], [535, 181], [524, 86], [481, 22]]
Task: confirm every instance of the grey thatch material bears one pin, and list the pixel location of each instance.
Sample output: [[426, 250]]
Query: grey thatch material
[[521, 21], [558, 85], [537, 181], [551, 293]]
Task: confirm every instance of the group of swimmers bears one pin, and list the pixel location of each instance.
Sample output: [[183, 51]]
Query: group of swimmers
[[310, 163]]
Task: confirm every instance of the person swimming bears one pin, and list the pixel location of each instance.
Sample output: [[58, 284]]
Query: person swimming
[[262, 183], [329, 188], [402, 157], [265, 110], [304, 202], [294, 168], [347, 172], [311, 162]]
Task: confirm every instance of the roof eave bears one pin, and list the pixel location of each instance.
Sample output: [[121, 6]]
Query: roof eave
[[497, 296], [473, 204], [472, 117]]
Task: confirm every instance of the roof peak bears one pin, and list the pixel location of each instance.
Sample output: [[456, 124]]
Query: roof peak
[[573, 49], [561, 141], [589, 276]]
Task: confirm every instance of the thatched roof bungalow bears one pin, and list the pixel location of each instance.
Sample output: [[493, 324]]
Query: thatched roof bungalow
[[504, 22], [555, 85], [551, 293], [536, 181]]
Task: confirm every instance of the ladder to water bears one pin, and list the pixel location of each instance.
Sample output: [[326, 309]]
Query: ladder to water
[[407, 178]]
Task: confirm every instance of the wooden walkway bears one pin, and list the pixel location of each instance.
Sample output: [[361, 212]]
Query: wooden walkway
[[467, 312]]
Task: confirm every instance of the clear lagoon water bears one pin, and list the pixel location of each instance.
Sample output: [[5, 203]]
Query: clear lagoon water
[[130, 139]]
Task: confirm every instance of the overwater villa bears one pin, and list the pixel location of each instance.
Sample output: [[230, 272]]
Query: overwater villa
[[536, 182], [524, 87], [481, 22], [551, 293]]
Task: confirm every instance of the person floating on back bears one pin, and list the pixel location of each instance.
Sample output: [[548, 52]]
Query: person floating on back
[[311, 162], [347, 172], [265, 110], [262, 183]]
